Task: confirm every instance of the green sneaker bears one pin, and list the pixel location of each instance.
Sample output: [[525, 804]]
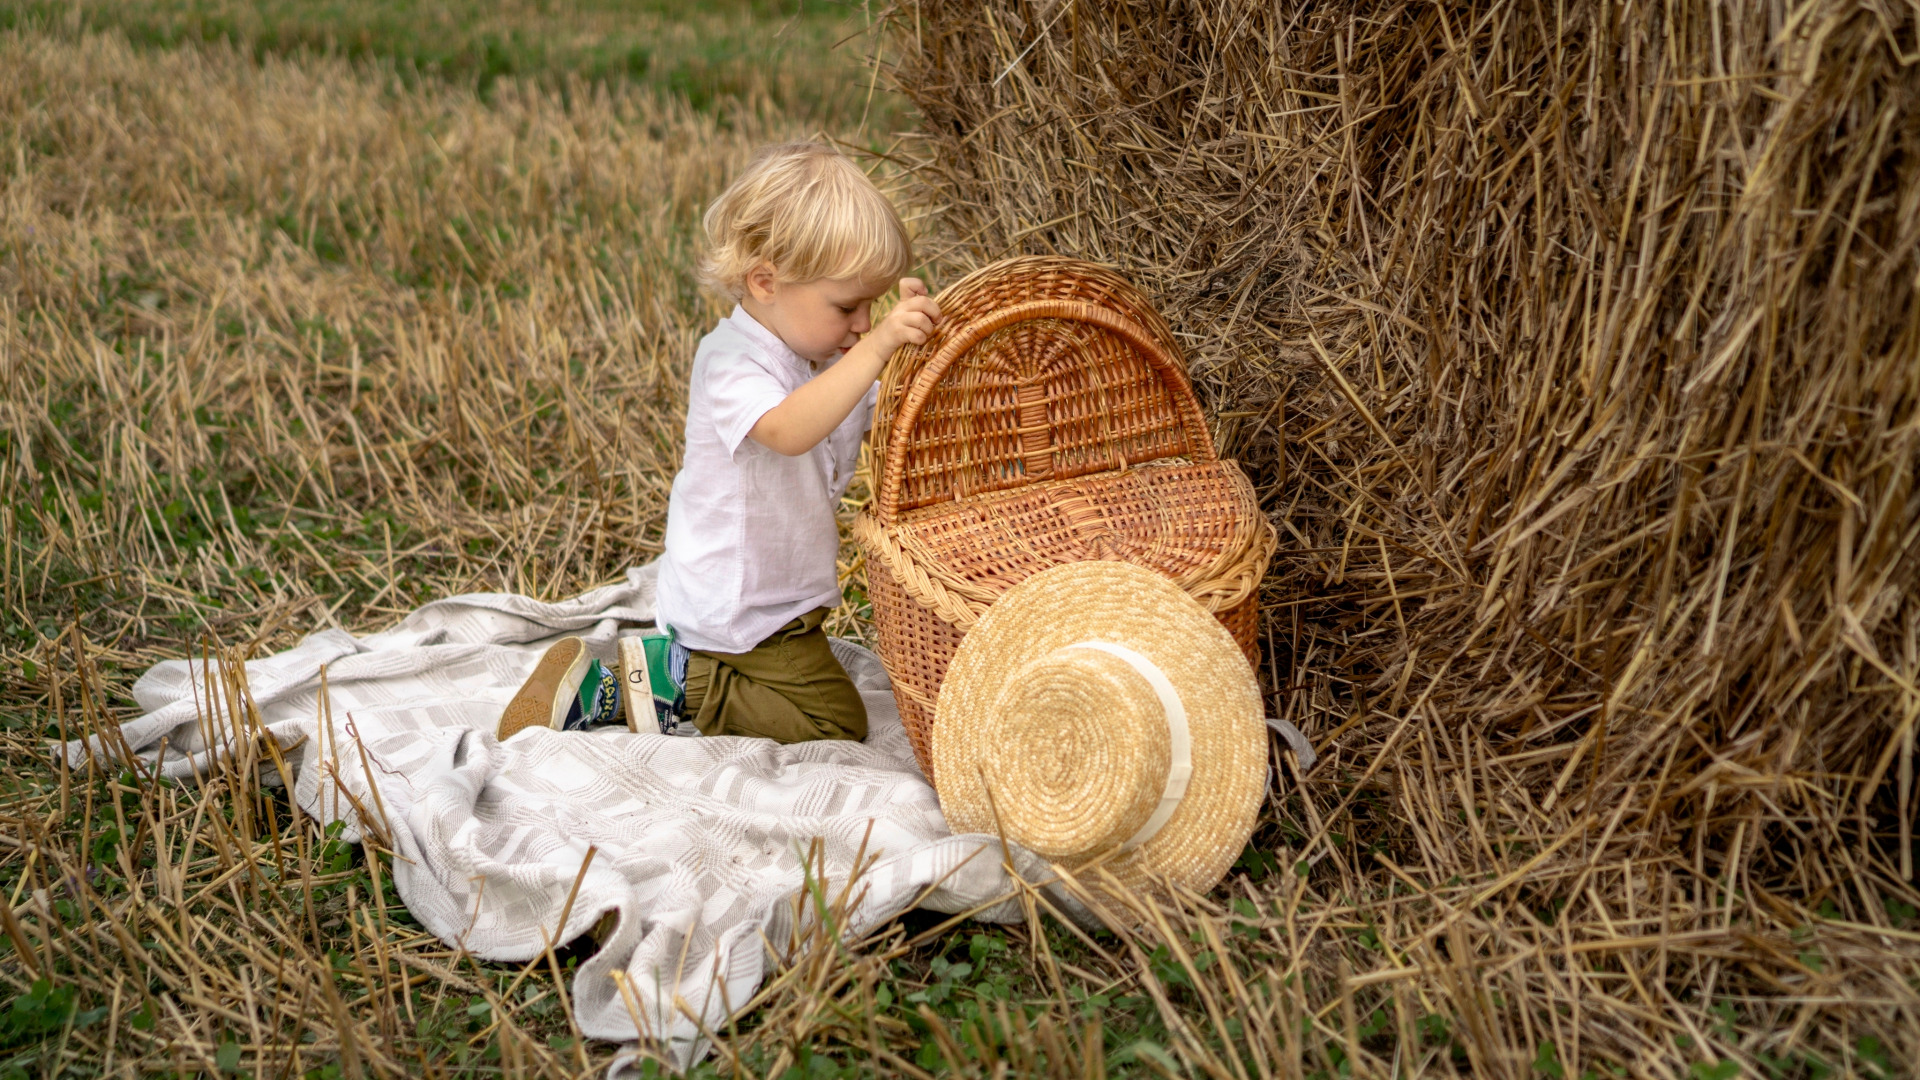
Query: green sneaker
[[569, 690], [596, 702], [654, 670], [550, 693]]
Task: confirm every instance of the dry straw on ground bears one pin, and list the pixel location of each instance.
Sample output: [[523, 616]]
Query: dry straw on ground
[[1575, 348]]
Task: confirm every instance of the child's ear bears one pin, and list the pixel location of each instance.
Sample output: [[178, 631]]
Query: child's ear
[[760, 282]]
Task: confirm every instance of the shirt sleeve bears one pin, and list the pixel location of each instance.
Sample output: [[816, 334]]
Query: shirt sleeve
[[740, 392]]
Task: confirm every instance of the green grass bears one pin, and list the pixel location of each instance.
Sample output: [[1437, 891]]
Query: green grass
[[808, 58]]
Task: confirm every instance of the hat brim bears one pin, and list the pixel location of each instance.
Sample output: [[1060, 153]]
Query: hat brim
[[1143, 611]]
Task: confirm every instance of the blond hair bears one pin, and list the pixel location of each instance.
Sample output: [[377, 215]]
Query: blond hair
[[810, 212]]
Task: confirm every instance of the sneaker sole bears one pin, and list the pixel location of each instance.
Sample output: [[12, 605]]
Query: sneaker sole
[[540, 702], [636, 689]]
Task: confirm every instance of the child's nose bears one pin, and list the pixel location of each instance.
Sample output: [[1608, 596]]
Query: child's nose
[[862, 321]]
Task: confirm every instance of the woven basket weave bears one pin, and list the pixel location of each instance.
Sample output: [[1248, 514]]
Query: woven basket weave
[[1047, 420]]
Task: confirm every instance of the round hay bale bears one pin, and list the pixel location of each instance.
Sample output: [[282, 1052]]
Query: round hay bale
[[1573, 348]]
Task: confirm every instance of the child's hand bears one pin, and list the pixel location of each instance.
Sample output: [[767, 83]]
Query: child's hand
[[911, 321]]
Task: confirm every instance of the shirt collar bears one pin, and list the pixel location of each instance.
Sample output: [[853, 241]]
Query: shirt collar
[[752, 328]]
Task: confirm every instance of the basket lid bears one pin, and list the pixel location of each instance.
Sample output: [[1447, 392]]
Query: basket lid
[[1044, 368]]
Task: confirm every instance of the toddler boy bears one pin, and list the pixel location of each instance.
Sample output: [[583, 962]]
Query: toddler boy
[[781, 396]]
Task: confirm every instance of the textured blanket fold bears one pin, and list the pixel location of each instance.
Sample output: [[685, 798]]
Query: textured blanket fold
[[699, 843]]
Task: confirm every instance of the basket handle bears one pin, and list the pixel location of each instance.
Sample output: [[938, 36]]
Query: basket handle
[[1171, 371]]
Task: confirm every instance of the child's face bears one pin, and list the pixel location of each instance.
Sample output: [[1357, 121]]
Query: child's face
[[817, 319]]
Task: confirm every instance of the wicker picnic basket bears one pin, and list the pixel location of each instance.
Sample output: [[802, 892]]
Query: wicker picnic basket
[[1047, 420]]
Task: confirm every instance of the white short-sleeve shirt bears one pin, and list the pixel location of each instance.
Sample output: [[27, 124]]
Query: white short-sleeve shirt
[[751, 537]]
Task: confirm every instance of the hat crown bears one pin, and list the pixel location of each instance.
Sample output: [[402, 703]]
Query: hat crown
[[1078, 755]]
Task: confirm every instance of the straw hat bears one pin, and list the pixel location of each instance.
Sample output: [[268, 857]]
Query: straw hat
[[1096, 712]]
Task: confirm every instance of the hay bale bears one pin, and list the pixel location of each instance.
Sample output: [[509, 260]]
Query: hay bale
[[1577, 352], [1574, 349]]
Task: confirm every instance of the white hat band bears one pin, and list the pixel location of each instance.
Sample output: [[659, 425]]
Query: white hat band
[[1181, 769]]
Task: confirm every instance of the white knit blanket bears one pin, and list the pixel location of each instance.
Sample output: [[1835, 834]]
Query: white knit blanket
[[699, 843]]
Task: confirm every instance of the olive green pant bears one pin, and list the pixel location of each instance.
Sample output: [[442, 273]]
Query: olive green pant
[[788, 688]]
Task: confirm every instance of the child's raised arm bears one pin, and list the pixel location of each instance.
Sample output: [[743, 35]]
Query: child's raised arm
[[810, 414]]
